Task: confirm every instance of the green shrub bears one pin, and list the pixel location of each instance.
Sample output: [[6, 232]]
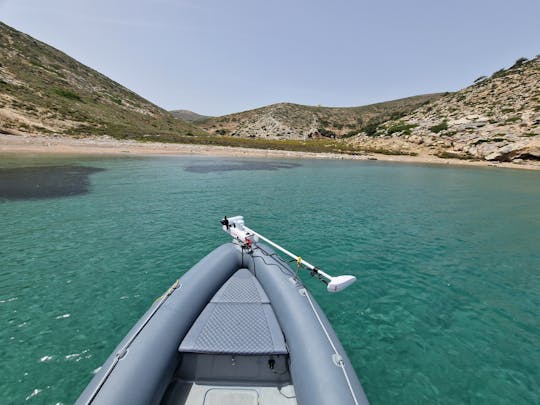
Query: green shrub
[[397, 115], [384, 151], [326, 133], [371, 128], [400, 127], [116, 100], [499, 73], [68, 94], [452, 155], [351, 133], [37, 62], [519, 62], [439, 127]]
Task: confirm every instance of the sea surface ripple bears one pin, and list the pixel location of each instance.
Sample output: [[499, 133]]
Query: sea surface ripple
[[445, 310]]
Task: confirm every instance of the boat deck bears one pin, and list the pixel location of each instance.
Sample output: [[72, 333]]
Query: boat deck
[[235, 352], [238, 320], [189, 393]]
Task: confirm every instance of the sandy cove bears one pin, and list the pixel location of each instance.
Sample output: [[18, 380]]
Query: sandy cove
[[104, 145]]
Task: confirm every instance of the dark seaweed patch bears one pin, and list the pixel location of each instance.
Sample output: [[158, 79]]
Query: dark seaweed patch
[[231, 166], [26, 183]]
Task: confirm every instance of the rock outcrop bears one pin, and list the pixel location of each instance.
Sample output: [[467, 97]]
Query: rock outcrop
[[496, 119], [295, 121]]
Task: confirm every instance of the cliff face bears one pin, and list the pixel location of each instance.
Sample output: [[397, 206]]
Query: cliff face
[[42, 90], [497, 118], [295, 121]]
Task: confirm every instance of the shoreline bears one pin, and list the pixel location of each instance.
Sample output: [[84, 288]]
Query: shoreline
[[103, 145]]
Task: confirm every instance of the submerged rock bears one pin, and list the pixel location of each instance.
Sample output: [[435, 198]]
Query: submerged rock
[[25, 183]]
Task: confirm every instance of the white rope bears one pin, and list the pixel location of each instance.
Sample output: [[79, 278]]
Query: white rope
[[340, 359]]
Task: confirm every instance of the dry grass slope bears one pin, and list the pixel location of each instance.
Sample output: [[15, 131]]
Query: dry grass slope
[[188, 116], [42, 90]]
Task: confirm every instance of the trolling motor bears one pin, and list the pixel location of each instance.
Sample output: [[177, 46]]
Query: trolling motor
[[234, 226], [245, 236]]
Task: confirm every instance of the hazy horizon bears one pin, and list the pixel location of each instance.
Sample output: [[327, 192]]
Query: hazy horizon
[[217, 58]]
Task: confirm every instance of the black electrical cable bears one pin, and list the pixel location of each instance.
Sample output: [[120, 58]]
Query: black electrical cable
[[283, 266]]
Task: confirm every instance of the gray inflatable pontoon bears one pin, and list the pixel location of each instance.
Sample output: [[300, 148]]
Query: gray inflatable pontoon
[[238, 328]]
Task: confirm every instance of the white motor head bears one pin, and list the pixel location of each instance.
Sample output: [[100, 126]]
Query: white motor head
[[339, 283], [234, 226]]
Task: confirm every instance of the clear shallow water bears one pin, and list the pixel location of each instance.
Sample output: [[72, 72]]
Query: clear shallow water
[[446, 309]]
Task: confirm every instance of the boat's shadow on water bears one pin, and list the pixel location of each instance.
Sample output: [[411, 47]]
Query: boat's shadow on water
[[44, 182]]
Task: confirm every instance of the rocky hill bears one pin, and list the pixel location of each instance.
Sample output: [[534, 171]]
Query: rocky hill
[[294, 121], [496, 118], [42, 90], [189, 116]]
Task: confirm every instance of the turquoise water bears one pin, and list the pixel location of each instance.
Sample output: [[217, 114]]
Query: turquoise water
[[445, 310]]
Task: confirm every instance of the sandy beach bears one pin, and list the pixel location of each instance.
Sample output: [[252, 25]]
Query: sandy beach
[[104, 145]]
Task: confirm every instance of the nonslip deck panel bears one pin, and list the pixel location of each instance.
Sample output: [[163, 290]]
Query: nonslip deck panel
[[238, 320], [242, 287]]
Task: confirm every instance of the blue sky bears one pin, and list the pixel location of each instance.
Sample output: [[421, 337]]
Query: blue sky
[[218, 57]]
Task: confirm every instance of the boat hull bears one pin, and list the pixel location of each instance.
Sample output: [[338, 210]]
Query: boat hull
[[141, 368]]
